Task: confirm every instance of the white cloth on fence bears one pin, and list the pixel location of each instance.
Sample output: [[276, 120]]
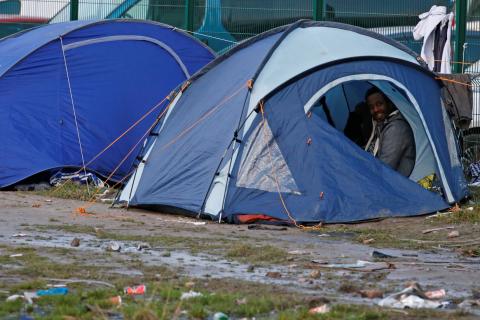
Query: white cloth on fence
[[426, 29]]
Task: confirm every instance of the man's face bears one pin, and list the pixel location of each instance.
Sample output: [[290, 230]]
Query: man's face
[[379, 107]]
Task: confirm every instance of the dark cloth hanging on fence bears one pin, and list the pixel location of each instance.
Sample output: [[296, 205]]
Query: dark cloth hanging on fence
[[458, 98]]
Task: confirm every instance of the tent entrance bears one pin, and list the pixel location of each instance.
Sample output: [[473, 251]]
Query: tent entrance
[[343, 106]]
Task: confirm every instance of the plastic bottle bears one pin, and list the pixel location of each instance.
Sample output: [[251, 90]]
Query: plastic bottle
[[52, 292]]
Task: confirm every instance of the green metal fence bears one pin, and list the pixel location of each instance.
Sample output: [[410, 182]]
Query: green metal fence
[[221, 23], [235, 20]]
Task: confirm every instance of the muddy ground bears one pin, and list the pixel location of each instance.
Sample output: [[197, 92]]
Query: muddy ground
[[277, 273]]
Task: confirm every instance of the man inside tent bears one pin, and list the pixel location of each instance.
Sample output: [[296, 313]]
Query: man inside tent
[[392, 139]]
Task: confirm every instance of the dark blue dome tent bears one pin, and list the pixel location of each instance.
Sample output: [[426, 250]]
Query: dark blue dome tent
[[247, 136], [68, 90]]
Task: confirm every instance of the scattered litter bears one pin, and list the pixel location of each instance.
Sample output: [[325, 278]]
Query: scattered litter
[[81, 281], [368, 241], [190, 294], [371, 294], [324, 235], [75, 242], [16, 255], [20, 235], [438, 214], [315, 274], [381, 255], [116, 301], [360, 265], [189, 284], [240, 302], [273, 274], [48, 200], [453, 234], [409, 301], [59, 178], [114, 246], [299, 252], [320, 310], [81, 210], [56, 285], [220, 316], [411, 297], [469, 209], [36, 205], [29, 296], [436, 229], [137, 290], [436, 294], [195, 223], [15, 297], [469, 303], [250, 268], [263, 227], [52, 292], [143, 246]]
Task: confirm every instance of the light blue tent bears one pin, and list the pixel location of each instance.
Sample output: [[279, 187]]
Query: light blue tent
[[68, 90], [246, 137]]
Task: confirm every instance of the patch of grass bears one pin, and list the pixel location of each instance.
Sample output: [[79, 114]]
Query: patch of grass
[[461, 217], [383, 238], [28, 285], [235, 298], [9, 308], [257, 254], [70, 190]]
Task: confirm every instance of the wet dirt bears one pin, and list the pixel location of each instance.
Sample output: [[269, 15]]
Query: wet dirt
[[23, 213]]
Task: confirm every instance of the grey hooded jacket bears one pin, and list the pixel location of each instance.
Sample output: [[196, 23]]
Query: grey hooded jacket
[[396, 145]]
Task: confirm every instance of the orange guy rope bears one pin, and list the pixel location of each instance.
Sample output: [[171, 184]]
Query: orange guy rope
[[274, 173], [174, 140]]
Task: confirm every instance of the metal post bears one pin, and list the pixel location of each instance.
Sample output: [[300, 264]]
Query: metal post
[[73, 10], [189, 7], [318, 9], [460, 31]]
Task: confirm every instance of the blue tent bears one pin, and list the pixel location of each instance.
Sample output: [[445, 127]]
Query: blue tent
[[69, 89], [246, 137]]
